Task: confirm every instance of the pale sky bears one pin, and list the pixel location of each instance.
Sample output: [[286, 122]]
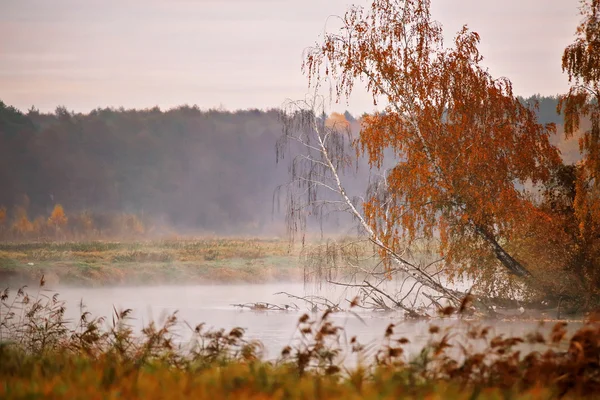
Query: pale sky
[[237, 54]]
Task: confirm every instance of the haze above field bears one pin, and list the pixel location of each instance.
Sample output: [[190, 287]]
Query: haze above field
[[193, 170], [235, 54], [200, 168]]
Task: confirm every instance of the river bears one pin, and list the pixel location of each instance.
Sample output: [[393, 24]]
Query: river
[[213, 305]]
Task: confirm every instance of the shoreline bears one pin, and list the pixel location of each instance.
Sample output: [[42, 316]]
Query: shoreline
[[134, 274], [110, 263]]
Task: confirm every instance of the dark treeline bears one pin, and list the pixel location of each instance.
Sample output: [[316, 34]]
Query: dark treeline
[[193, 170], [190, 169], [546, 112]]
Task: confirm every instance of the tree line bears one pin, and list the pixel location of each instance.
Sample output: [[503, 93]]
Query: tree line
[[121, 172], [186, 169]]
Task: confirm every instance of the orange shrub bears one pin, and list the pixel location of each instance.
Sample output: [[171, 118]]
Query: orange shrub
[[57, 219]]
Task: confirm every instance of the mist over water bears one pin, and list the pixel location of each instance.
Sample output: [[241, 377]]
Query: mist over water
[[214, 306]]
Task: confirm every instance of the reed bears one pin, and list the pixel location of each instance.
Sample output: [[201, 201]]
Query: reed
[[44, 356]]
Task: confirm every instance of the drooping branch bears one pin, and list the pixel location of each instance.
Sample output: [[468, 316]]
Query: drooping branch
[[324, 155], [461, 138]]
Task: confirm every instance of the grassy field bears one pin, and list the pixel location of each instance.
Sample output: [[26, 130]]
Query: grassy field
[[168, 261], [44, 356]]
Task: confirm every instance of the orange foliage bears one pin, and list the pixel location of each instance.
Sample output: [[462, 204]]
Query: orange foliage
[[57, 219], [337, 121], [2, 216], [462, 142], [580, 61], [80, 225]]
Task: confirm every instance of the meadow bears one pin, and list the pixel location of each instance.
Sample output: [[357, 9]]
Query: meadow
[[176, 261]]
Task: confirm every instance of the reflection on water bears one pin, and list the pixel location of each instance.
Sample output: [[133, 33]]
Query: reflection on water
[[213, 305]]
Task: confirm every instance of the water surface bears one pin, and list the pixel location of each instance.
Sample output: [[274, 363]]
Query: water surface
[[213, 305]]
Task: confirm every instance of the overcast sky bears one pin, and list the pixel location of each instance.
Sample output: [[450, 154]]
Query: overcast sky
[[237, 54]]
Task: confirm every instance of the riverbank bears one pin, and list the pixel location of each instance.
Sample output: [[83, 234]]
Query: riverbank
[[181, 261], [46, 354]]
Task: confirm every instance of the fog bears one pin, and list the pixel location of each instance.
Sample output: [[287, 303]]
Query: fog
[[182, 171], [213, 305], [185, 170]]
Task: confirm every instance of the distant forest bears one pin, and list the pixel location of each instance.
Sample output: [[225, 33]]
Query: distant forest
[[187, 169]]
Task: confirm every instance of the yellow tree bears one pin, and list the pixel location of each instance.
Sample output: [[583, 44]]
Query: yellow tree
[[463, 146], [57, 219], [2, 216]]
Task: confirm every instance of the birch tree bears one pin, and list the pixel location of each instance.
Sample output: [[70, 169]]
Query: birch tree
[[320, 154], [464, 142], [463, 146]]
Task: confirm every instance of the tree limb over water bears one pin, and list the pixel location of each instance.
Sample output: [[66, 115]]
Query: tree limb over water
[[456, 160]]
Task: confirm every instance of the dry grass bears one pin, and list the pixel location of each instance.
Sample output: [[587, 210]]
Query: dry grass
[[214, 260], [42, 356], [164, 250]]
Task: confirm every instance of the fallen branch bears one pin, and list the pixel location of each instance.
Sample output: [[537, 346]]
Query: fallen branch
[[316, 302], [260, 306]]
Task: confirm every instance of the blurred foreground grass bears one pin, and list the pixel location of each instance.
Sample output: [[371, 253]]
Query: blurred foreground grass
[[82, 378], [44, 356]]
